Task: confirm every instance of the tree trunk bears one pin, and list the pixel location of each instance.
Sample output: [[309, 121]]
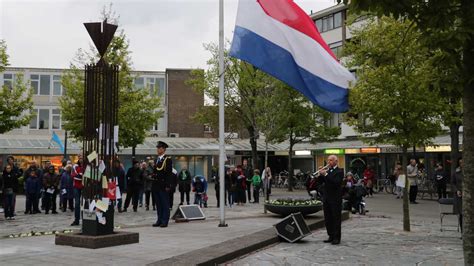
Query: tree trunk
[[406, 207], [253, 144], [454, 134], [290, 165], [467, 9], [266, 154], [133, 151]]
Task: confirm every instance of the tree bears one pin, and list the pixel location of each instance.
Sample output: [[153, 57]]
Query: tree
[[290, 116], [243, 85], [455, 18], [392, 101], [138, 106], [16, 105]]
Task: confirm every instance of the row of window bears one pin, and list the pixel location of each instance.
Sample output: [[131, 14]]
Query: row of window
[[51, 84], [329, 22]]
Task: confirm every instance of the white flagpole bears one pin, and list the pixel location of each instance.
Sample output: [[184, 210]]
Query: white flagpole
[[221, 117]]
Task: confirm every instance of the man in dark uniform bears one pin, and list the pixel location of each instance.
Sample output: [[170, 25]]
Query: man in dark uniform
[[162, 184], [332, 199]]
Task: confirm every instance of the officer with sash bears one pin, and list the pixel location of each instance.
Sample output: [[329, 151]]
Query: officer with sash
[[162, 184]]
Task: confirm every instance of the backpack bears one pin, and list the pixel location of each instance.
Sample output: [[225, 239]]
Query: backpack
[[198, 185]]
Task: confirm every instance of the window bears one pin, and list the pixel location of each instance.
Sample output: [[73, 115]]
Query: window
[[161, 86], [336, 48], [330, 22], [57, 88], [43, 115], [139, 83], [45, 84], [319, 25], [160, 125], [8, 80], [34, 83], [207, 128], [337, 19], [41, 84], [56, 119], [34, 120]]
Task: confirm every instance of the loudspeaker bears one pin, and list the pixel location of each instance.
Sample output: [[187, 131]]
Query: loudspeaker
[[189, 212], [292, 228]]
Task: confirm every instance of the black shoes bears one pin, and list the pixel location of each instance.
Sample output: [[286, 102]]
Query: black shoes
[[74, 223], [329, 240], [163, 225], [156, 225], [336, 242]]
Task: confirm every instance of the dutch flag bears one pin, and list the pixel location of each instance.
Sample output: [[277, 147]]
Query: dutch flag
[[279, 38]]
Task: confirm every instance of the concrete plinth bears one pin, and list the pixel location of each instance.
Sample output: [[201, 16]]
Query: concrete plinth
[[94, 242]]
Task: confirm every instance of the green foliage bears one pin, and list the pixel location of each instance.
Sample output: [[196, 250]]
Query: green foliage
[[138, 108], [392, 102], [16, 104]]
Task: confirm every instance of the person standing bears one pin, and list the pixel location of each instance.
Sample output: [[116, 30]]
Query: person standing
[[17, 172], [10, 188], [134, 183], [200, 189], [161, 185], [332, 199], [67, 189], [256, 183], [50, 186], [441, 179], [369, 179], [267, 181], [412, 175], [31, 177], [147, 183], [230, 186], [119, 176], [184, 184], [457, 183], [248, 173], [77, 175]]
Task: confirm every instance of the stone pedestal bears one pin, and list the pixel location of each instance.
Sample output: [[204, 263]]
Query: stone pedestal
[[93, 242]]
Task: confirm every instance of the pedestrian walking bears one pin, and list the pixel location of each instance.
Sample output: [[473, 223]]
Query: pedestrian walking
[[10, 188], [161, 185], [332, 199], [184, 185]]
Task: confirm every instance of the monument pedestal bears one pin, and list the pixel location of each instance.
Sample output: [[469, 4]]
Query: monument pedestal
[[94, 242]]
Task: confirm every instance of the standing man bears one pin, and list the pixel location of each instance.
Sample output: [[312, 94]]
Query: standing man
[[412, 174], [162, 184], [77, 174], [332, 199], [248, 173]]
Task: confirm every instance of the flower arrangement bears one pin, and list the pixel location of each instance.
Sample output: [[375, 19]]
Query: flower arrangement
[[293, 202]]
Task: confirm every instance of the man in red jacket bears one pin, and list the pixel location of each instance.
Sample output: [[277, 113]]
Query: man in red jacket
[[77, 173]]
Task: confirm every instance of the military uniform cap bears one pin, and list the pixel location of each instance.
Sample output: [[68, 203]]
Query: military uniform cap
[[161, 144]]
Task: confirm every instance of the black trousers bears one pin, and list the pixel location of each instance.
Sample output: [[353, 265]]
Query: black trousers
[[442, 190], [50, 201], [147, 199], [182, 196], [218, 197], [413, 193], [171, 197], [64, 203], [332, 218], [256, 194], [132, 194]]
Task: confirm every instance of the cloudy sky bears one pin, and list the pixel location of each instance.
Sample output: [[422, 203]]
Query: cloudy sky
[[162, 33]]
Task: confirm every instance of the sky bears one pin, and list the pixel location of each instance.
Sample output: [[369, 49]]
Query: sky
[[162, 33]]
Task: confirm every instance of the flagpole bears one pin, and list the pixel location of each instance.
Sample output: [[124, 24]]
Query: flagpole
[[221, 117]]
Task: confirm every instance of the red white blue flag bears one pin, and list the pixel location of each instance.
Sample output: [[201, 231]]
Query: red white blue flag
[[279, 38]]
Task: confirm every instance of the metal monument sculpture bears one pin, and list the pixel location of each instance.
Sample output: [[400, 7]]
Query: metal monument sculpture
[[100, 133]]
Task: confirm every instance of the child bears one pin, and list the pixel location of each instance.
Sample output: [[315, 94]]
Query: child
[[256, 183], [199, 185]]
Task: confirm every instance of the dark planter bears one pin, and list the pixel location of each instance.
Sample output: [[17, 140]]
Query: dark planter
[[285, 210]]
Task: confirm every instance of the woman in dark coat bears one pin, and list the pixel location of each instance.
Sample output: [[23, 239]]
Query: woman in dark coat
[[184, 184], [457, 182]]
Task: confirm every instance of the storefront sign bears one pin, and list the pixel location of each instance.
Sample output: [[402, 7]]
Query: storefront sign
[[370, 150], [442, 148], [302, 153], [352, 151], [334, 151]]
